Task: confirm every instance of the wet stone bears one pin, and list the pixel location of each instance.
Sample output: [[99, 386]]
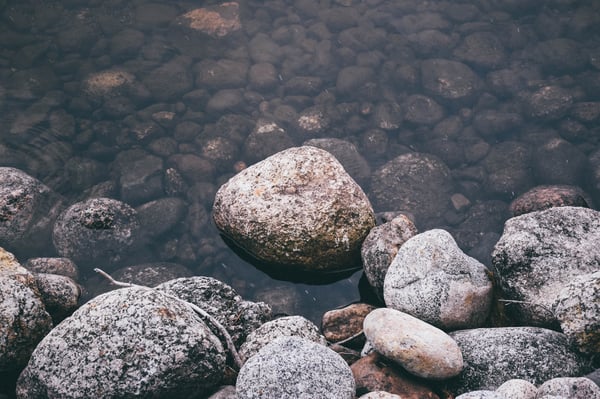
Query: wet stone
[[482, 50], [548, 103], [61, 266], [450, 80], [221, 74], [124, 343], [559, 162], [422, 110], [507, 179], [216, 21], [345, 152], [98, 229], [141, 179], [381, 246], [266, 139], [263, 77], [60, 294], [151, 274], [538, 254], [572, 388], [517, 389], [170, 80], [285, 369], [159, 216], [344, 323], [482, 394], [544, 197]]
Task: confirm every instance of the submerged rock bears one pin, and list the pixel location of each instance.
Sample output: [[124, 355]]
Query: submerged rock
[[297, 208]]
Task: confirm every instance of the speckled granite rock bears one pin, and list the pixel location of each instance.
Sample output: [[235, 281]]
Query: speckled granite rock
[[125, 343], [298, 208], [572, 388]]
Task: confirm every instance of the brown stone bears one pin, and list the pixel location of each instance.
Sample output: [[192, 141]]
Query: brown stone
[[216, 21], [375, 373], [544, 197], [341, 324]]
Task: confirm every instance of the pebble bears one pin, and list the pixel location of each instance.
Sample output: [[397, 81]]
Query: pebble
[[344, 323], [422, 349], [569, 387], [517, 389]]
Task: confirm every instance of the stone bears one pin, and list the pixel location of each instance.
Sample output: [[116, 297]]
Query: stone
[[549, 103], [62, 266], [225, 392], [238, 316], [481, 50], [569, 387], [376, 373], [432, 279], [420, 348], [414, 182], [517, 389], [449, 80], [559, 162], [288, 326], [352, 78], [507, 179], [491, 123], [482, 394], [379, 395], [381, 246], [98, 229], [24, 320], [577, 308], [60, 294], [495, 355], [28, 208], [538, 254], [549, 196], [129, 342], [141, 179], [171, 80], [422, 110], [345, 152], [216, 21], [266, 139], [292, 367], [221, 74], [160, 216], [108, 84], [344, 323], [297, 208]]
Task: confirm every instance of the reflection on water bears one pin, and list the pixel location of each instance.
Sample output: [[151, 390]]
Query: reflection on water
[[129, 100]]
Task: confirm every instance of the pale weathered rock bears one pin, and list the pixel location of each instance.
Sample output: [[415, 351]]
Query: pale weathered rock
[[216, 21], [381, 246], [129, 342], [290, 326], [539, 253], [380, 395], [23, 320], [433, 280], [517, 389], [345, 152], [483, 394], [108, 84], [577, 308], [495, 355], [297, 208], [9, 265], [571, 388], [420, 348], [62, 266], [292, 367]]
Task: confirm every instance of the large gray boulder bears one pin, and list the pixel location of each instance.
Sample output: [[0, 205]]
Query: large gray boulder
[[132, 342], [539, 253], [433, 279], [292, 367], [495, 355], [297, 208]]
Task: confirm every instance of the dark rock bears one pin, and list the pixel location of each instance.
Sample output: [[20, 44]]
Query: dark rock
[[221, 74], [126, 44], [62, 266], [159, 216], [226, 100], [192, 167], [559, 162], [98, 229], [422, 110], [375, 373], [263, 49], [128, 342], [266, 139], [303, 85], [353, 78], [141, 178], [450, 80], [495, 124], [548, 103], [538, 254], [510, 81], [347, 154], [221, 151], [560, 55], [388, 115], [495, 355], [544, 197], [508, 167], [482, 50], [415, 182], [60, 294], [263, 77], [431, 43], [171, 80], [150, 16]]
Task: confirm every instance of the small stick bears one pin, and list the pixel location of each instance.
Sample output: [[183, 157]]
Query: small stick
[[346, 340], [228, 340]]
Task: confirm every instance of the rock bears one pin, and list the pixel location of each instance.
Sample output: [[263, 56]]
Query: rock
[[345, 152], [451, 81], [495, 355], [216, 21], [98, 229], [108, 84], [560, 55], [572, 388], [171, 80], [517, 389], [297, 208], [161, 215], [129, 342], [544, 197], [415, 182], [375, 373], [141, 178], [548, 103], [422, 110], [221, 74], [60, 294], [151, 274], [238, 316], [9, 265], [341, 324], [381, 246], [380, 395], [263, 77], [291, 367], [290, 326], [28, 209], [263, 49], [352, 79], [508, 179], [481, 50], [418, 347], [539, 253], [62, 266], [432, 279], [266, 139], [483, 394], [559, 162], [491, 123], [577, 308], [226, 392], [24, 320]]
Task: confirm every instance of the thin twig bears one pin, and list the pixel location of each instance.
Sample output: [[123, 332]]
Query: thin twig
[[207, 317], [346, 340], [514, 301]]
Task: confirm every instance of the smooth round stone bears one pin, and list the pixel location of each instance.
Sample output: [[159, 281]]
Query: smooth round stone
[[292, 367], [481, 395], [380, 395], [569, 387], [517, 389], [420, 348]]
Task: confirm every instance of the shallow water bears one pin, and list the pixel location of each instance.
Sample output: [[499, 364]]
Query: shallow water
[[76, 141]]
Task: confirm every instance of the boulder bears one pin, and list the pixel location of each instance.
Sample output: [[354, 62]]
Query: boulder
[[297, 208], [544, 197], [495, 355], [432, 279], [292, 367], [451, 81], [539, 253], [381, 246], [129, 342], [517, 389], [569, 387], [216, 21], [420, 348]]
